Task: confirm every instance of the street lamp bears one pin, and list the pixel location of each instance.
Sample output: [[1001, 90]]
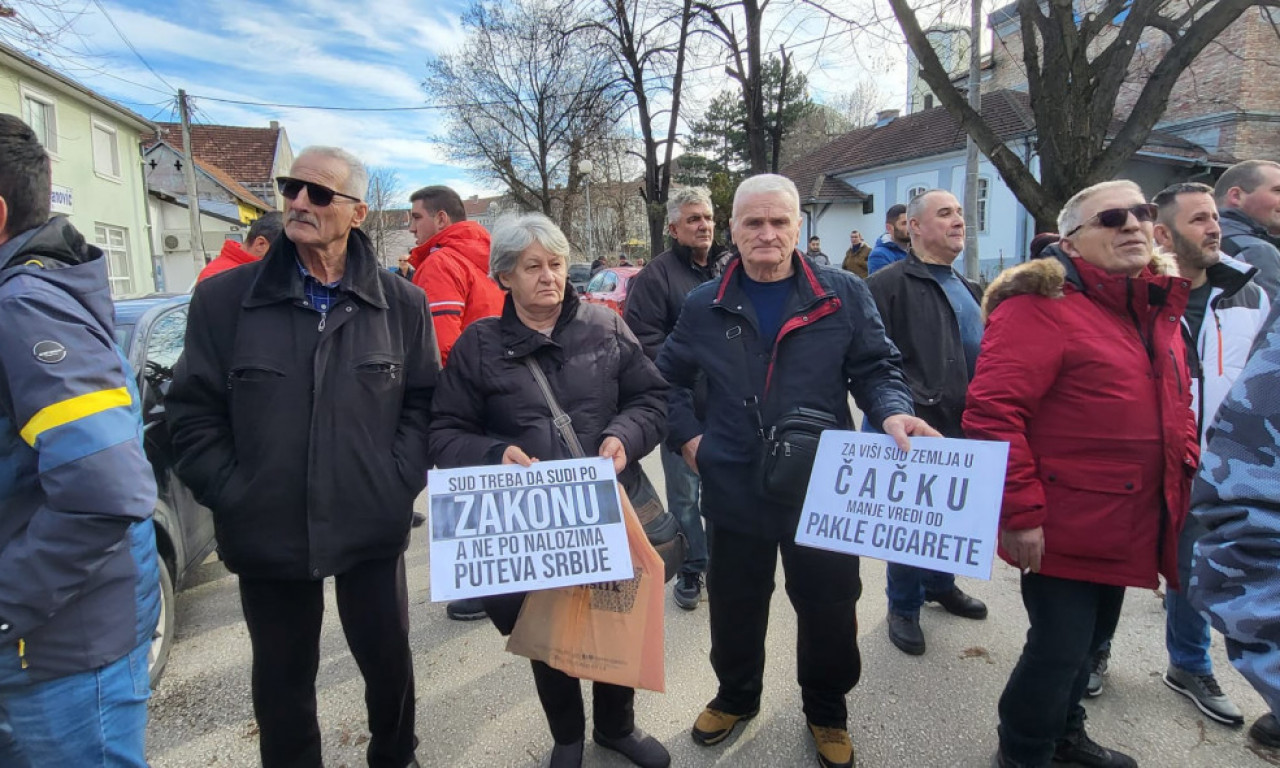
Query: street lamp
[[585, 167]]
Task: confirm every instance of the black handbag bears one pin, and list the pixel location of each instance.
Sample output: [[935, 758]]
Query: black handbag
[[660, 526], [789, 446]]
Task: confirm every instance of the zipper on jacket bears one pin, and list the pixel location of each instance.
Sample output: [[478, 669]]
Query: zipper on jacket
[[323, 316], [22, 652]]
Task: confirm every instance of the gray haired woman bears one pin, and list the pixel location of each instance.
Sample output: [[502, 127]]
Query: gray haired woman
[[489, 410]]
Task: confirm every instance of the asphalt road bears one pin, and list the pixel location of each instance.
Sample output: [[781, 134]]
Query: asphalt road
[[477, 705]]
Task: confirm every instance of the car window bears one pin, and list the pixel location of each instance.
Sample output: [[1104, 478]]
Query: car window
[[596, 282], [610, 282], [123, 332], [164, 342]]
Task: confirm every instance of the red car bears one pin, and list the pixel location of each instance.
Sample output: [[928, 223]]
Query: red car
[[609, 287]]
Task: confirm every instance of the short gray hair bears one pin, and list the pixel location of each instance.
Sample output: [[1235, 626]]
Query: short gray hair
[[357, 183], [515, 232], [915, 206], [687, 196], [766, 183], [1069, 217]]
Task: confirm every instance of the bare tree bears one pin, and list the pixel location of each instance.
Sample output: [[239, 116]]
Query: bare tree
[[860, 104], [742, 41], [386, 199], [1076, 65], [524, 99], [647, 41]]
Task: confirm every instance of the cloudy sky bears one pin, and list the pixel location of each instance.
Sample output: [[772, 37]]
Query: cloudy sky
[[336, 53]]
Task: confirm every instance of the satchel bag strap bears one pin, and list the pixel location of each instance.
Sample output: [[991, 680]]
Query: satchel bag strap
[[558, 417], [733, 332]]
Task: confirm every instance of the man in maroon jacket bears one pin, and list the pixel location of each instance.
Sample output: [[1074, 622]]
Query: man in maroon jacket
[[1083, 372], [257, 241]]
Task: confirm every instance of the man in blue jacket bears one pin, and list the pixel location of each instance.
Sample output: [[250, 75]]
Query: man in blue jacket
[[893, 244], [79, 585], [774, 334]]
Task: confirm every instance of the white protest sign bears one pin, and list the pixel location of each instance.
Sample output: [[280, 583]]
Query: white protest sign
[[508, 528], [936, 506]]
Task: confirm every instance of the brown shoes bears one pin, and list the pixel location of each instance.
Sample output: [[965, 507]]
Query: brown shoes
[[714, 726], [835, 748]]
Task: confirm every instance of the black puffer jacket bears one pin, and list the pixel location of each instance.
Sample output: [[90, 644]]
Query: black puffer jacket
[[656, 295], [919, 319], [308, 440], [488, 400]]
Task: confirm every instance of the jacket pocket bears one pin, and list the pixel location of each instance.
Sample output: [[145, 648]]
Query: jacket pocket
[[254, 388], [379, 373], [1091, 510]]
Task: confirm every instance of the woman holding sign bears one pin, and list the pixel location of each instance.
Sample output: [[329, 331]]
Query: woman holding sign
[[490, 409]]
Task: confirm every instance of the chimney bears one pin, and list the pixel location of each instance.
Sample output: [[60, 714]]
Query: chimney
[[275, 125], [885, 116]]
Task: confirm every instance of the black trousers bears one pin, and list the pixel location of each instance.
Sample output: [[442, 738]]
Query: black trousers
[[1041, 701], [823, 587], [284, 628], [612, 706]]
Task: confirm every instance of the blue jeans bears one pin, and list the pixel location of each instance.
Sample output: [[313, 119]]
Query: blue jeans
[[96, 718], [683, 492], [1186, 635], [908, 585]]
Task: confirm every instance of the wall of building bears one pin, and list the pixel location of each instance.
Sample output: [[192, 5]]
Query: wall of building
[[86, 197], [178, 267]]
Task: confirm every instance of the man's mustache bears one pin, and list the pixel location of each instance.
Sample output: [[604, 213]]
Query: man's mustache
[[299, 216]]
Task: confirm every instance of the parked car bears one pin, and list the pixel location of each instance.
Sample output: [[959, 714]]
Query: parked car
[[609, 287], [579, 276], [151, 331]]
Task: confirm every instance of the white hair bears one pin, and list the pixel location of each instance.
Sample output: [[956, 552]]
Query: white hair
[[515, 232], [357, 182], [687, 196], [766, 183], [1069, 217]]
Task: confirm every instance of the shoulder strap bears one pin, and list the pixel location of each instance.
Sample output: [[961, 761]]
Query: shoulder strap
[[558, 417]]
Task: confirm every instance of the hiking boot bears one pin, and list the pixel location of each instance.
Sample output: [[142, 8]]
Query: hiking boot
[[958, 603], [1204, 692], [835, 748], [470, 609], [637, 746], [1078, 749], [1097, 671], [714, 726], [688, 590], [905, 633], [564, 756], [1266, 731]]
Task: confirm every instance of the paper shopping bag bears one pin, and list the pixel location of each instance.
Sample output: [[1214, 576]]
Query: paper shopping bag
[[610, 632]]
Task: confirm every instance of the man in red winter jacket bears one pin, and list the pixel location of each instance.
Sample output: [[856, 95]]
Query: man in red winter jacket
[[262, 233], [1083, 372], [451, 263]]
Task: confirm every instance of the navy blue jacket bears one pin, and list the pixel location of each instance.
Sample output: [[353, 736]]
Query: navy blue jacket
[[79, 579], [831, 344]]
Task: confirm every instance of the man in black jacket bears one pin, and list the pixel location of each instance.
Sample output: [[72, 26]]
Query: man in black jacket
[[934, 316], [773, 334], [299, 412], [654, 299]]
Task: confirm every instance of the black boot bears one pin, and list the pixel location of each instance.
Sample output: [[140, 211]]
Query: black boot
[[564, 756], [905, 633], [1266, 731], [958, 603], [1077, 748], [637, 746]]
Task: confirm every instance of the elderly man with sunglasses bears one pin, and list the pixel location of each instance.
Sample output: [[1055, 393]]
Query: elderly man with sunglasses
[[1083, 372], [299, 413]]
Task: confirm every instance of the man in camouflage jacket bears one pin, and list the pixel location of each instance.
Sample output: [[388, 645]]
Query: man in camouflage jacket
[[1233, 576]]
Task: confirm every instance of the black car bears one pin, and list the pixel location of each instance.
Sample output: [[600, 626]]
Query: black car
[[579, 276], [150, 331]]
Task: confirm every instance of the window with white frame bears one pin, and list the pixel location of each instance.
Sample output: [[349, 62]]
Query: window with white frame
[[106, 150], [911, 193], [39, 113], [984, 195], [114, 242]]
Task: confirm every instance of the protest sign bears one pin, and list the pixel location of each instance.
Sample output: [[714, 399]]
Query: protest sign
[[508, 528], [936, 506]]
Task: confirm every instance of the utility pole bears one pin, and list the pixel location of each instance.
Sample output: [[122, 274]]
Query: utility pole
[[193, 197], [971, 221], [585, 167]]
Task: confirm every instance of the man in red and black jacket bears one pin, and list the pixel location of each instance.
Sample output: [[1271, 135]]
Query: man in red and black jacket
[[257, 241]]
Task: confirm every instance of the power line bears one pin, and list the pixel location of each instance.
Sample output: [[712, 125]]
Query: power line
[[120, 32]]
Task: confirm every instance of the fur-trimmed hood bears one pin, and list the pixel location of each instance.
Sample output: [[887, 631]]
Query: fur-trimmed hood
[[1047, 275]]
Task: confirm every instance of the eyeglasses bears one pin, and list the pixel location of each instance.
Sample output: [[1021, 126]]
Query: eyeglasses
[[1114, 218], [318, 194]]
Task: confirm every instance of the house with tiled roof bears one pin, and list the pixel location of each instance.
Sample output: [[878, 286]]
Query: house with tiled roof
[[227, 208], [254, 157], [93, 145], [851, 182]]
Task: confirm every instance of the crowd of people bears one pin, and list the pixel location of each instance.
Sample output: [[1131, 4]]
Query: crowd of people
[[316, 388]]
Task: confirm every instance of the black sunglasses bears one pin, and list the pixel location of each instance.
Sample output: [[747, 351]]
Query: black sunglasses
[[1114, 218], [318, 194]]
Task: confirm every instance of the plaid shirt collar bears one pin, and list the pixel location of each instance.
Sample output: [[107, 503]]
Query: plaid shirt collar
[[318, 296]]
